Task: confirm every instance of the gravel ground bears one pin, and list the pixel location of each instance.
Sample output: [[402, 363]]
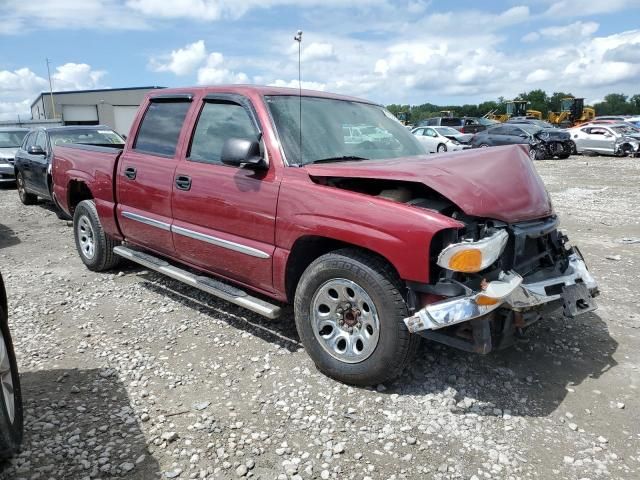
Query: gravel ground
[[131, 375]]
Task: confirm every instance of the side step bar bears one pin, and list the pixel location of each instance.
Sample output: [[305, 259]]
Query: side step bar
[[209, 285]]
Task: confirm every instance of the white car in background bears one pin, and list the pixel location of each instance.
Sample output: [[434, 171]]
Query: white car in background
[[606, 139], [434, 140]]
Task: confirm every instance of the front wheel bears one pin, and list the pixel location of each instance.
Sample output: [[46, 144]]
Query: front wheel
[[11, 415], [349, 314], [25, 197], [93, 244], [441, 148], [536, 153]]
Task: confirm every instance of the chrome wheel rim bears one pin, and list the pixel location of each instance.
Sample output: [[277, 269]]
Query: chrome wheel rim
[[86, 237], [532, 153], [6, 380], [345, 320]]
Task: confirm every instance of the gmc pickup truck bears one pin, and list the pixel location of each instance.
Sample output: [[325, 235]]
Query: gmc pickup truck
[[254, 194]]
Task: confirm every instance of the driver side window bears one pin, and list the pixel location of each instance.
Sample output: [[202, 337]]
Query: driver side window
[[430, 132], [218, 122]]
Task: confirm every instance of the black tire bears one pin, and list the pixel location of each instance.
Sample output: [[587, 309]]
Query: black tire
[[536, 154], [25, 197], [11, 430], [441, 148], [563, 156], [87, 230], [395, 345]]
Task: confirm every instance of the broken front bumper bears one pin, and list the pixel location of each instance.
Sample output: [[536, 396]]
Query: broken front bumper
[[574, 289]]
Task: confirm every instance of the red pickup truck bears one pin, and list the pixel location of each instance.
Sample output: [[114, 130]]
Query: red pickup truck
[[256, 195]]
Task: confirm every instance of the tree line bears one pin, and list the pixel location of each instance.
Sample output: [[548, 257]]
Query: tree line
[[613, 104]]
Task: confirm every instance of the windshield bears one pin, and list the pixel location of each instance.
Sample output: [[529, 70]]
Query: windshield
[[486, 121], [626, 130], [85, 136], [447, 131], [338, 129], [12, 139], [529, 128]]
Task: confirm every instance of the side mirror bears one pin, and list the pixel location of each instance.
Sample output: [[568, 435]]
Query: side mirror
[[608, 135], [36, 150], [523, 135], [240, 152]]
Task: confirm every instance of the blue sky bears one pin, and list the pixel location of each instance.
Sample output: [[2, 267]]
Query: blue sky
[[391, 51]]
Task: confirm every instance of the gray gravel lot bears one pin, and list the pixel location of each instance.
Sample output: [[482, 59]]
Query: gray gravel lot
[[131, 375]]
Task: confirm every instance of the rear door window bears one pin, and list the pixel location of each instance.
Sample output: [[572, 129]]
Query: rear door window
[[160, 128]]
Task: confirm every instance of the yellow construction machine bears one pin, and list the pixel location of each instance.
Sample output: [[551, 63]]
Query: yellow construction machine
[[515, 108], [572, 112]]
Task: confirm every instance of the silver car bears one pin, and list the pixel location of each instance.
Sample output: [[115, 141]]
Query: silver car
[[607, 139], [10, 141]]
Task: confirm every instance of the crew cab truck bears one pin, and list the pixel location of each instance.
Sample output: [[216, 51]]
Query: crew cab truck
[[255, 195]]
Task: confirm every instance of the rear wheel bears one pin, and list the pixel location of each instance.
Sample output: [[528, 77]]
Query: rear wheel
[[93, 244], [441, 148], [349, 314], [11, 415], [25, 197]]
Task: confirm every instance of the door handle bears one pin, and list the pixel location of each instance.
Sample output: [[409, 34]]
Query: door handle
[[130, 173], [183, 182]]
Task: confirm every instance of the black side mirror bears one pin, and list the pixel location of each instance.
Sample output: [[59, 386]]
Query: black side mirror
[[240, 152], [36, 150]]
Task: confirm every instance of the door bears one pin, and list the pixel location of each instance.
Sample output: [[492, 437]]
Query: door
[[80, 114], [144, 180], [595, 139], [23, 158], [605, 142], [123, 117], [514, 135], [223, 216], [429, 139], [40, 165]]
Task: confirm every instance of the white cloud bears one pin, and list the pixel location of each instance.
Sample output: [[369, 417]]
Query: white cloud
[[182, 61], [571, 31], [214, 72], [20, 87], [583, 8], [531, 37], [539, 75], [314, 51]]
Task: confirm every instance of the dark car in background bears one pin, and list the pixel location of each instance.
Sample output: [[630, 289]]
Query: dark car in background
[[531, 121], [462, 124], [10, 140], [35, 157], [11, 415], [543, 142]]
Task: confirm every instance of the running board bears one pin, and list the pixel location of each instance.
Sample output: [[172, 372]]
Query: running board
[[206, 284]]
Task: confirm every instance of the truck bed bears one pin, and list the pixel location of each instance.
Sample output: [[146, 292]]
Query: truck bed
[[93, 165]]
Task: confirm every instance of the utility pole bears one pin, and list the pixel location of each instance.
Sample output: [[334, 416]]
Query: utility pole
[[53, 106]]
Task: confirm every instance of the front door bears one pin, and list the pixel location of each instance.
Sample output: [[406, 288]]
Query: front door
[[145, 174], [224, 216]]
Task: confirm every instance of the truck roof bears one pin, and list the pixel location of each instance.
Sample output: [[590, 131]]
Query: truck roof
[[262, 90]]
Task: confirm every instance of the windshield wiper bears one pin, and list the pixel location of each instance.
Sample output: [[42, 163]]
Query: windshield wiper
[[344, 158]]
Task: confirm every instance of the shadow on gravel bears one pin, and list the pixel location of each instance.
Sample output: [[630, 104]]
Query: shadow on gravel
[[530, 378], [8, 237], [281, 331], [79, 423]]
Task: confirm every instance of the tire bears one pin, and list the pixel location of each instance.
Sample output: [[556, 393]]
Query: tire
[[94, 246], [563, 156], [25, 197], [536, 154], [11, 410], [384, 343], [484, 145], [441, 148]]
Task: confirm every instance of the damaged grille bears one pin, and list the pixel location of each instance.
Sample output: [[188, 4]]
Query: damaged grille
[[535, 249]]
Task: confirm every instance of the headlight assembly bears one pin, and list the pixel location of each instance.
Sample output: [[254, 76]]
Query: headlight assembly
[[469, 257]]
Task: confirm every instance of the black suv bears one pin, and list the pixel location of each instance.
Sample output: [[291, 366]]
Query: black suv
[[543, 142]]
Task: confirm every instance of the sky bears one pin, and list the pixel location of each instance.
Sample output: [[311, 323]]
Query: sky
[[389, 51]]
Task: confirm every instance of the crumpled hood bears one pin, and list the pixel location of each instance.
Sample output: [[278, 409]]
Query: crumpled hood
[[499, 183]]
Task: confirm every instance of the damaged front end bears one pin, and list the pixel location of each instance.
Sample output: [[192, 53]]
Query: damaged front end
[[627, 147], [495, 279]]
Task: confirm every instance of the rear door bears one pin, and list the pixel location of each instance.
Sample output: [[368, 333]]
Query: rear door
[[515, 135], [224, 216], [23, 159], [145, 176]]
